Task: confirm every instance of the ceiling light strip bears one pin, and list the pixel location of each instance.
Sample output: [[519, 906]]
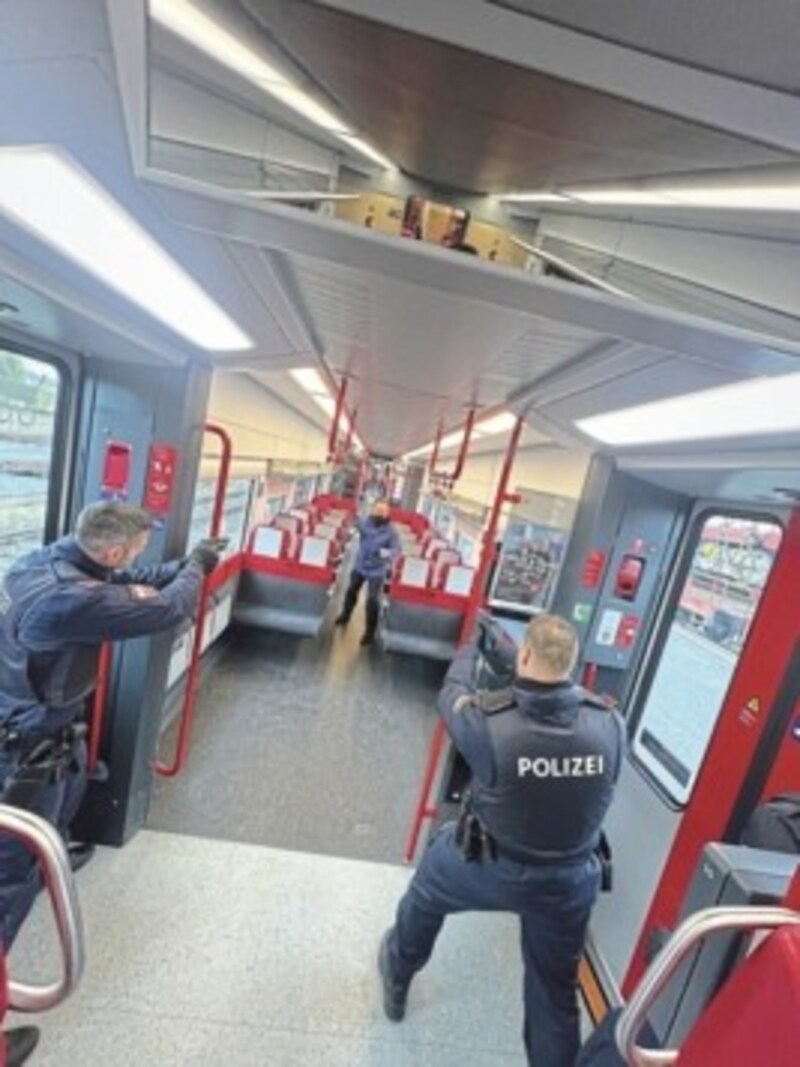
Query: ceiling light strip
[[44, 191], [194, 26]]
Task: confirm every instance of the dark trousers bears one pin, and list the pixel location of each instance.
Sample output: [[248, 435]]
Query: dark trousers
[[374, 589], [554, 905], [56, 797]]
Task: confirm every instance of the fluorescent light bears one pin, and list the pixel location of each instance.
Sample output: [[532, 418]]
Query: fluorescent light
[[619, 196], [451, 439], [425, 450], [191, 24], [295, 195], [533, 198], [188, 22], [501, 423], [367, 150], [758, 198], [766, 405], [310, 379], [48, 194], [304, 105], [328, 405]]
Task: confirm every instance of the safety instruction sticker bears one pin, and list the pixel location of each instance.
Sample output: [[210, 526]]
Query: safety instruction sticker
[[750, 711], [609, 625], [581, 612]]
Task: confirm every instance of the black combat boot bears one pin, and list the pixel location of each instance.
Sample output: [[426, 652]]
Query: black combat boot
[[20, 1043], [394, 994], [373, 614]]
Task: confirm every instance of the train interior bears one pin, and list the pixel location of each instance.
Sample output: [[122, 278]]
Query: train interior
[[531, 276]]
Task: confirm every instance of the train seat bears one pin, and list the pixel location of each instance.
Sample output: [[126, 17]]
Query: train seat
[[316, 551], [457, 579], [752, 1020], [755, 1018], [270, 542], [420, 619], [282, 591], [442, 559]]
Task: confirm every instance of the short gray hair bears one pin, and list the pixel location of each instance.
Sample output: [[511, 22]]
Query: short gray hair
[[554, 643], [111, 523]]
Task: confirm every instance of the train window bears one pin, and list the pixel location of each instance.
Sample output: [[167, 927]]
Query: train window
[[727, 575], [29, 395], [234, 513]]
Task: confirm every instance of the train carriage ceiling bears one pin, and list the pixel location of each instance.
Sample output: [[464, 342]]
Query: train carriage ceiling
[[422, 332]]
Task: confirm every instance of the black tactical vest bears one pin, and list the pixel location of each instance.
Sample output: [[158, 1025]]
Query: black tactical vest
[[557, 755], [57, 678]]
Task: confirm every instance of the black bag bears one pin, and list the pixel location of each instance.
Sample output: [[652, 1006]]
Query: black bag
[[775, 826]]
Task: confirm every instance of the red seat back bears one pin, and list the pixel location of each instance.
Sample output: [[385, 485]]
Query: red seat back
[[755, 1018]]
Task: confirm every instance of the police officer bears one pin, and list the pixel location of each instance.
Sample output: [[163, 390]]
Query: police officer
[[58, 604], [379, 547], [545, 756]]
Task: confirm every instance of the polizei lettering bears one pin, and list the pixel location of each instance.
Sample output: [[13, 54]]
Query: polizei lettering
[[560, 766]]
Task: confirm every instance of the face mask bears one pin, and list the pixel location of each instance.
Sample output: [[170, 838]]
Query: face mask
[[379, 520]]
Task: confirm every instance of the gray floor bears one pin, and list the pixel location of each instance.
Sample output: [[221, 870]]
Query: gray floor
[[315, 745], [204, 951]]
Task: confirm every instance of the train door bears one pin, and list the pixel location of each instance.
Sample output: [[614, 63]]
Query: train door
[[696, 705]]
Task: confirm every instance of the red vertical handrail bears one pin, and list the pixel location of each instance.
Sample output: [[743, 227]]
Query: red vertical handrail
[[425, 808], [170, 770], [461, 459], [337, 416], [351, 429], [589, 678], [97, 720], [435, 454]]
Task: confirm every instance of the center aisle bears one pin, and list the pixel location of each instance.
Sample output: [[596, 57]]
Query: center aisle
[[314, 745], [207, 952]]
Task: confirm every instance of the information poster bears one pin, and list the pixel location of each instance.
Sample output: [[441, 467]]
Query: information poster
[[533, 551]]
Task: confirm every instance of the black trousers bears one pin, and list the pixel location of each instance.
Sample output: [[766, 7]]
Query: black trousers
[[554, 905], [374, 589], [56, 797]]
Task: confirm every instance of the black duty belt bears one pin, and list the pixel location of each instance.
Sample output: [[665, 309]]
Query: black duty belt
[[534, 860]]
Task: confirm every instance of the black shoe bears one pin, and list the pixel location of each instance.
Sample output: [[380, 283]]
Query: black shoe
[[341, 620], [20, 1043], [394, 995], [79, 852]]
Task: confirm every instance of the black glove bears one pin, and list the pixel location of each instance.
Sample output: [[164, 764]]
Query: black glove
[[497, 649], [205, 555]]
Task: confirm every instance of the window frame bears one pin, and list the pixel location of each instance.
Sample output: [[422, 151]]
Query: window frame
[[59, 489], [662, 626]]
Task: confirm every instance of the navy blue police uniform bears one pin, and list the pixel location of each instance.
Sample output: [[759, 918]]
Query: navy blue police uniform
[[378, 547], [57, 606], [544, 762]]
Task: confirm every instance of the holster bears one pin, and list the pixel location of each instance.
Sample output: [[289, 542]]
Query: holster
[[604, 855], [44, 765], [473, 839]]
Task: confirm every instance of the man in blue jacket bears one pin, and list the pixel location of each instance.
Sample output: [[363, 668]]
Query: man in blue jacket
[[58, 605], [545, 757], [378, 549]]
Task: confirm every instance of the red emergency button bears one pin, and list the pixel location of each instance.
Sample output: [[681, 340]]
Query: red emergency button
[[629, 577]]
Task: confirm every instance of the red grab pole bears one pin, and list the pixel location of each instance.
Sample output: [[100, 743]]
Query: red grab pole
[[170, 770], [455, 474], [337, 415], [425, 808], [97, 720], [435, 453]]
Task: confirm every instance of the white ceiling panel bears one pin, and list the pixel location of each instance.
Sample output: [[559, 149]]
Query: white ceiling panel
[[755, 42]]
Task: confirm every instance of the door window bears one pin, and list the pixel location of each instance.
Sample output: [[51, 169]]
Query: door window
[[729, 570], [29, 395]]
